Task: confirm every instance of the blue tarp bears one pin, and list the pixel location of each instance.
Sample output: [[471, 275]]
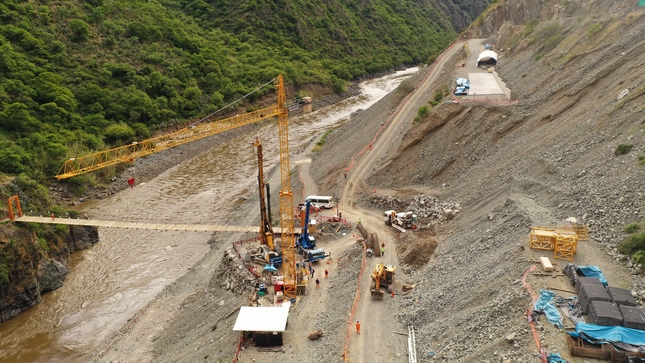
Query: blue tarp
[[593, 271], [460, 91], [545, 305], [271, 268], [462, 82], [609, 334], [555, 358]]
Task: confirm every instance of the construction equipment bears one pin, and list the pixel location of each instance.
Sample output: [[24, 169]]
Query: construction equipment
[[272, 257], [400, 221], [204, 128], [266, 232], [383, 276], [306, 243]]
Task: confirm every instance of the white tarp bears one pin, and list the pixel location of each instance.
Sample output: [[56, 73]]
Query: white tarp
[[262, 318], [487, 54]]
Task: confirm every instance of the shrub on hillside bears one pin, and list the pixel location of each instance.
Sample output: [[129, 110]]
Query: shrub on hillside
[[639, 258], [119, 134], [632, 244], [632, 228], [623, 149], [80, 30], [422, 113]]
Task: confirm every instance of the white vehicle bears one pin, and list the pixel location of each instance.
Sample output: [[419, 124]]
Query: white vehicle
[[321, 201], [402, 219]]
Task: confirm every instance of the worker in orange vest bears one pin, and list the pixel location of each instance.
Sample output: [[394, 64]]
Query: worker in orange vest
[[358, 327]]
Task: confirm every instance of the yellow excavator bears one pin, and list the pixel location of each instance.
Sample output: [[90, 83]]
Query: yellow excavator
[[383, 275]]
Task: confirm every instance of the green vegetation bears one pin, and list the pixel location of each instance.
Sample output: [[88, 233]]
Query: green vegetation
[[78, 77], [322, 141], [43, 245], [4, 274], [421, 113], [634, 244], [632, 228], [593, 29], [548, 36], [623, 149], [529, 27], [438, 96]]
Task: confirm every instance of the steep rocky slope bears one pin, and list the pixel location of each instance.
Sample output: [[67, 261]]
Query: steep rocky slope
[[577, 72]]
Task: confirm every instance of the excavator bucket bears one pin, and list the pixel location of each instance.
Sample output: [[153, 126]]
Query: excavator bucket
[[377, 294]]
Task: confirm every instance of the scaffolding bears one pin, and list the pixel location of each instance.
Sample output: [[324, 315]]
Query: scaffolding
[[565, 246], [563, 242]]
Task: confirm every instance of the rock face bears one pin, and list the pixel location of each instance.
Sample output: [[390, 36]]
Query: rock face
[[31, 265], [81, 238], [233, 275], [51, 274]]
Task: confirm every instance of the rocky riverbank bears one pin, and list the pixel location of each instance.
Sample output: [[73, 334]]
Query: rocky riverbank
[[31, 265]]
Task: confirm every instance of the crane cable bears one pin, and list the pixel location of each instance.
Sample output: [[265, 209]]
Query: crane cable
[[232, 103]]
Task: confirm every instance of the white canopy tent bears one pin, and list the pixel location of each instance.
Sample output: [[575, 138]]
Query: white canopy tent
[[262, 319], [487, 56]]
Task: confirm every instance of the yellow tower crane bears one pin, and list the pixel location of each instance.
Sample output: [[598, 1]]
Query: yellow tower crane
[[124, 154]]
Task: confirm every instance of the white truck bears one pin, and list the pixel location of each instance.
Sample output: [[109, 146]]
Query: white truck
[[401, 220]]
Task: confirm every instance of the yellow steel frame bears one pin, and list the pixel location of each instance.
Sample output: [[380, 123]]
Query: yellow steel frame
[[286, 197], [565, 247], [581, 231], [125, 154], [542, 240]]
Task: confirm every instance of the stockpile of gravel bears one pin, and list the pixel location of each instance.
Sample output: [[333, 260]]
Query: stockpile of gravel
[[430, 210]]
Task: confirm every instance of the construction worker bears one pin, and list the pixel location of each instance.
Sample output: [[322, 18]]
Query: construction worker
[[358, 327], [382, 251], [317, 283], [326, 273], [312, 273]]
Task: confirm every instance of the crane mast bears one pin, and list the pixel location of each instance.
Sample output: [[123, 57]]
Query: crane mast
[[286, 196], [266, 232]]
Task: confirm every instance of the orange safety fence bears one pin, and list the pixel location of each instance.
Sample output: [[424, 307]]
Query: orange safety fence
[[249, 266], [536, 336], [355, 305], [239, 349]]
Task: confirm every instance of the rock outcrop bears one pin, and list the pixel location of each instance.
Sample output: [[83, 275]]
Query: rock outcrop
[[31, 265]]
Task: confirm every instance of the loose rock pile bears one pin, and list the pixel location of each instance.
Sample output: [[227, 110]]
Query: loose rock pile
[[233, 275], [430, 210]]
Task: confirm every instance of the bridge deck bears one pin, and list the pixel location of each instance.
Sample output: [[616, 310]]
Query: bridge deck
[[139, 225]]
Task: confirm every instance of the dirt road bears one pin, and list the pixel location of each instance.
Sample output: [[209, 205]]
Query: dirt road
[[378, 340]]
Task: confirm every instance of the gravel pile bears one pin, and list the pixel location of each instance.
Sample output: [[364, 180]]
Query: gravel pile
[[430, 210]]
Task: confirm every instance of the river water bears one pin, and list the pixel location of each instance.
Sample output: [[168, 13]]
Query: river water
[[113, 280]]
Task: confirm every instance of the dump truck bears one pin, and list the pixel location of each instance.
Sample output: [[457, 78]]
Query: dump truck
[[383, 276]]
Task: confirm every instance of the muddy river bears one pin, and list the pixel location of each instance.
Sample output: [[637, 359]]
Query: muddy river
[[112, 281]]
